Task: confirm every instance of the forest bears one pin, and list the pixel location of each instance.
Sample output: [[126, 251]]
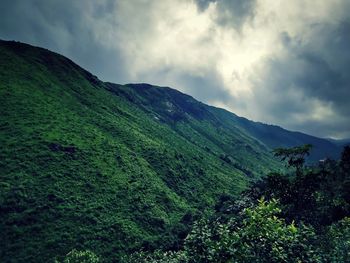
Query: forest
[[93, 171], [301, 215]]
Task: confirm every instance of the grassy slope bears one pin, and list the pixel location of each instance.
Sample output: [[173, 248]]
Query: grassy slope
[[92, 165]]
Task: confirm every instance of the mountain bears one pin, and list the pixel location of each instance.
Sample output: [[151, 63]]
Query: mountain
[[274, 136], [340, 142], [271, 136], [93, 165]]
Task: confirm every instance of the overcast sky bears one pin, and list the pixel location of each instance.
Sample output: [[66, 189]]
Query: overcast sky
[[277, 61]]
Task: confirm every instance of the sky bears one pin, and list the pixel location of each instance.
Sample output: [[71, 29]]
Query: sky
[[275, 61]]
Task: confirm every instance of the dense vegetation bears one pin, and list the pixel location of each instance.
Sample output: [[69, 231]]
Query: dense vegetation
[[299, 217], [95, 166], [105, 167]]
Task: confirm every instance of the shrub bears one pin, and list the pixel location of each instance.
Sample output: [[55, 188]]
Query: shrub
[[76, 256]]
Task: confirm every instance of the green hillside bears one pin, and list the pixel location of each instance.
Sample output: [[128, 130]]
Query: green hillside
[[91, 165], [274, 136], [87, 164]]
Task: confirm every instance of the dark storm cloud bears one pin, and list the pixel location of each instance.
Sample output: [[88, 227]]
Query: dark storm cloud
[[204, 88], [231, 12], [65, 27], [313, 69]]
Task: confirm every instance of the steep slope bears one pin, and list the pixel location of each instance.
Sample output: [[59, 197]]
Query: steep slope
[[177, 106], [92, 165], [195, 122]]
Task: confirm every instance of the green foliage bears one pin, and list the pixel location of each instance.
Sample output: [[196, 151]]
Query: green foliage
[[345, 171], [260, 237], [107, 167], [295, 156], [310, 223], [76, 256], [157, 257], [112, 168], [337, 244], [316, 195]]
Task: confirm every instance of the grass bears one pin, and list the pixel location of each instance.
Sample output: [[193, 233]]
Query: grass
[[110, 168]]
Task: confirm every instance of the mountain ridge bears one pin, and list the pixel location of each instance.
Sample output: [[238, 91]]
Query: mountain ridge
[[281, 136], [90, 164], [332, 151]]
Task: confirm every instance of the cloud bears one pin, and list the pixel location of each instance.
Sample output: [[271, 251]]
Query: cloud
[[306, 84], [67, 27], [231, 12], [269, 60]]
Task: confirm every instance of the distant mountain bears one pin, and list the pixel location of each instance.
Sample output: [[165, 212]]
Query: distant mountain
[[274, 136], [340, 142], [88, 164]]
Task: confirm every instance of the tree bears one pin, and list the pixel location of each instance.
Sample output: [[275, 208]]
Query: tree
[[76, 256], [295, 156]]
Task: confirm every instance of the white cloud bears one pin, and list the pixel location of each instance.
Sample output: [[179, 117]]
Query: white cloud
[[254, 66]]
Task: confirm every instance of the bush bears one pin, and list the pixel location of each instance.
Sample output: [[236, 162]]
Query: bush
[[157, 257], [338, 242], [261, 237], [76, 256]]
